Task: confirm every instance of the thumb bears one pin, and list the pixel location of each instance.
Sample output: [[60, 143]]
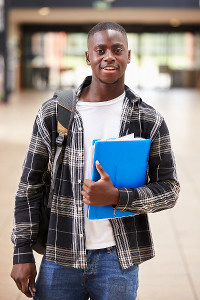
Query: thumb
[[101, 171]]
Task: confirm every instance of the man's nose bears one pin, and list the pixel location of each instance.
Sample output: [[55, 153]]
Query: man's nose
[[109, 56]]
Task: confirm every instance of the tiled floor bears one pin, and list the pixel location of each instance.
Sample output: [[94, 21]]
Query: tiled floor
[[174, 274]]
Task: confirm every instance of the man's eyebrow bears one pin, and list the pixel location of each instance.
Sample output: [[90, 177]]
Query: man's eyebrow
[[118, 45], [114, 45], [100, 45]]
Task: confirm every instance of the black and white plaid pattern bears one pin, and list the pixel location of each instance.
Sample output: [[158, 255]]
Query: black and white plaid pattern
[[66, 237]]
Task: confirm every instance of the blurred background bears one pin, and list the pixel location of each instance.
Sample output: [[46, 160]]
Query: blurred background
[[42, 47]]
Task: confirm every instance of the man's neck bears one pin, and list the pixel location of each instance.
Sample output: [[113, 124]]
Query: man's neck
[[101, 92]]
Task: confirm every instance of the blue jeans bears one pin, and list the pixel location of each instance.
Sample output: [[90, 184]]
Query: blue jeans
[[103, 279]]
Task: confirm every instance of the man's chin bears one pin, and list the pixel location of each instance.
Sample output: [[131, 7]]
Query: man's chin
[[108, 82]]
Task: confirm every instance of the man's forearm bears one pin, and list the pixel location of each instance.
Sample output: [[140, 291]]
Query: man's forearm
[[149, 198]]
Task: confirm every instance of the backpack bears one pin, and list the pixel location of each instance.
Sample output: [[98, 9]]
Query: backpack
[[65, 113]]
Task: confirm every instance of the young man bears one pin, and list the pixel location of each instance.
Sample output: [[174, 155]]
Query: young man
[[97, 259]]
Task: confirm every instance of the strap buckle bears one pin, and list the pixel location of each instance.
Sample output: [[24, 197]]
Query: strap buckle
[[60, 139]]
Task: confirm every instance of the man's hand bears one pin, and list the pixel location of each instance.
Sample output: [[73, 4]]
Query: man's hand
[[102, 192], [24, 274]]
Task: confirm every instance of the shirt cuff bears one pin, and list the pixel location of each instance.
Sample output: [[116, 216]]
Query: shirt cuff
[[23, 255], [126, 197]]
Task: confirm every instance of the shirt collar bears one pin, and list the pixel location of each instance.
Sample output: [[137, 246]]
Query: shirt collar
[[132, 96]]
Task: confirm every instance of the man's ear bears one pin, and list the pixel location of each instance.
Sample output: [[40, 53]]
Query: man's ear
[[87, 58], [129, 56]]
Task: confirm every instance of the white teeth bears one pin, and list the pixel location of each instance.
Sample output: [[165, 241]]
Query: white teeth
[[109, 68]]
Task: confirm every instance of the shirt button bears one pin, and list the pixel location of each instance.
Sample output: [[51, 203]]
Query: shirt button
[[79, 154], [81, 235], [79, 208], [80, 128], [79, 181]]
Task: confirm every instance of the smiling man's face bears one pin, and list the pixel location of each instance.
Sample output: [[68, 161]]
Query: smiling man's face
[[108, 56]]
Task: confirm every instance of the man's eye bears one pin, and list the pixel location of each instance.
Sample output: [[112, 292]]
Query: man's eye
[[100, 51], [118, 50]]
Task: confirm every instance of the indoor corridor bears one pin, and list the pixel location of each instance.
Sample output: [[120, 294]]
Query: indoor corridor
[[174, 273]]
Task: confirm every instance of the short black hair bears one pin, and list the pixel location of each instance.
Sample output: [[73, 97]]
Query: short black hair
[[106, 26]]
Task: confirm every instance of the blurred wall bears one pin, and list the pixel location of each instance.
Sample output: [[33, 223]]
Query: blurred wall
[[135, 19]]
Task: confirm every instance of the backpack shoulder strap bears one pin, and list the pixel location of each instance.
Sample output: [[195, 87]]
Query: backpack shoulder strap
[[65, 112]]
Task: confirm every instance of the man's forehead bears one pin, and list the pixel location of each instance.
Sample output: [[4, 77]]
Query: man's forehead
[[109, 35]]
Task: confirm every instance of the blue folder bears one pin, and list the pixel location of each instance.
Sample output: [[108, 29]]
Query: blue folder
[[126, 164]]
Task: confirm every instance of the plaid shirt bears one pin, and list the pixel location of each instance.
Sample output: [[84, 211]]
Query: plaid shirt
[[66, 236]]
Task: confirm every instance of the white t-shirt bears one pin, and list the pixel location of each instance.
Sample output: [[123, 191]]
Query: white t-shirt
[[100, 120]]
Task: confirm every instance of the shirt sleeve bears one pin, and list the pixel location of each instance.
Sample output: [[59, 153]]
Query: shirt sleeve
[[162, 187], [29, 196]]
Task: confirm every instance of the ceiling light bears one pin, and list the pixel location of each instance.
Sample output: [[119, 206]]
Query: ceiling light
[[101, 4], [175, 22], [44, 11]]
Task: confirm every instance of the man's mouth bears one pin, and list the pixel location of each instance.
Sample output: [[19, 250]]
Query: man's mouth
[[109, 69]]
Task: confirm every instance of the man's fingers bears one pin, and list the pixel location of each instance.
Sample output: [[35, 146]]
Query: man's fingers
[[25, 289], [85, 200], [101, 170], [85, 188], [18, 283], [84, 194], [32, 284]]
